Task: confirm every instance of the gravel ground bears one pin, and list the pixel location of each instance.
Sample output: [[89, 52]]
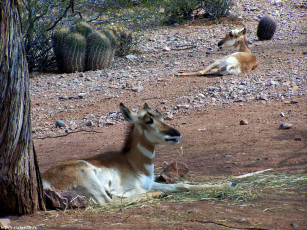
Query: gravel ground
[[281, 74]]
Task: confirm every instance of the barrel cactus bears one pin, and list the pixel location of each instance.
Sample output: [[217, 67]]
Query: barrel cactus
[[74, 52], [98, 51], [83, 28], [266, 28], [58, 43], [113, 45], [124, 40], [82, 48]]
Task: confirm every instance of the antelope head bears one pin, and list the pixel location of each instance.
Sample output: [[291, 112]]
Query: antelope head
[[233, 38], [150, 124]]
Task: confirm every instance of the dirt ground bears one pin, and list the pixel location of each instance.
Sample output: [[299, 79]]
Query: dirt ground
[[207, 112]]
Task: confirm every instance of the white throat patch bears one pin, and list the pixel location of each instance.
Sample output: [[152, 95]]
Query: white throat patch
[[145, 151]]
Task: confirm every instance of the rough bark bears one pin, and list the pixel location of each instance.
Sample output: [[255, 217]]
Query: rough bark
[[20, 181]]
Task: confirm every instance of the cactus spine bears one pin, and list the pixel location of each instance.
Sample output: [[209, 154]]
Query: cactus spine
[[113, 45], [82, 48], [83, 28], [58, 44], [74, 51], [124, 40], [97, 50]]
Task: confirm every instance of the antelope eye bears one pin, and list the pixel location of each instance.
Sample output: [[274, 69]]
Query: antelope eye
[[150, 121], [230, 34]]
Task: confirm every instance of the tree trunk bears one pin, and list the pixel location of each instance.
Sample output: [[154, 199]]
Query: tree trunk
[[21, 189]]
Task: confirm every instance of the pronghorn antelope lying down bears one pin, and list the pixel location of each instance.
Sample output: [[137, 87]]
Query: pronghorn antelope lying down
[[236, 63], [124, 173]]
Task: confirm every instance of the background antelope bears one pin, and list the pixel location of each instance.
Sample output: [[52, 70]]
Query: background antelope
[[124, 173], [236, 63]]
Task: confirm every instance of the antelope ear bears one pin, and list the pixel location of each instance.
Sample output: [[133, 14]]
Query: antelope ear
[[159, 115], [244, 30], [146, 107], [127, 113]]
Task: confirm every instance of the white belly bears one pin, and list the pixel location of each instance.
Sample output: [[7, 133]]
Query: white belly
[[229, 65]]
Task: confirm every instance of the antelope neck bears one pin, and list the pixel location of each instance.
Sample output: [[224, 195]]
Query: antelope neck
[[242, 45], [141, 153]]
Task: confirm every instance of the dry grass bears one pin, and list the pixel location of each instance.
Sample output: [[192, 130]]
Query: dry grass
[[246, 189]]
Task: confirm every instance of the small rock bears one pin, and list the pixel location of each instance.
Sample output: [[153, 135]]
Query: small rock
[[282, 114], [196, 106], [110, 122], [82, 95], [138, 88], [213, 88], [80, 75], [60, 124], [244, 122], [241, 220], [294, 225], [277, 2], [57, 199], [285, 126], [166, 48], [89, 123], [63, 98], [298, 139], [201, 95], [295, 88], [89, 116], [169, 116], [183, 106], [131, 57], [75, 81], [261, 97]]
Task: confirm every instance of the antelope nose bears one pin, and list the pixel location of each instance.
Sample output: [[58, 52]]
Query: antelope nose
[[220, 44], [175, 133]]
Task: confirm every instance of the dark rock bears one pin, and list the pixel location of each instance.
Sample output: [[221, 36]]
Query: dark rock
[[63, 98], [57, 199], [82, 95], [298, 139], [173, 171], [89, 123], [60, 124]]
